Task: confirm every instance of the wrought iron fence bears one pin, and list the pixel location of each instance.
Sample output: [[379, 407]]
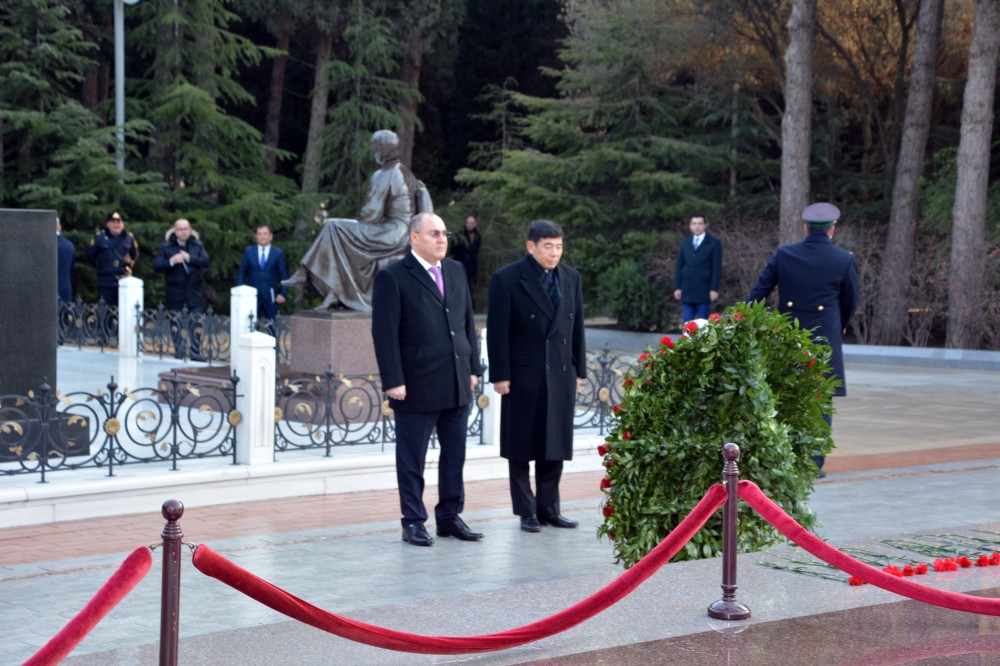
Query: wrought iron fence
[[195, 336], [340, 410], [601, 390], [47, 431], [88, 324]]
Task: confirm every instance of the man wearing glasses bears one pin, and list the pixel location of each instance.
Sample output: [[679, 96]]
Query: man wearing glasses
[[113, 251], [425, 345]]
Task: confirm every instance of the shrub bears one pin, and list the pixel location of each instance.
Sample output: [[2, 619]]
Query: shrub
[[628, 295], [751, 377]]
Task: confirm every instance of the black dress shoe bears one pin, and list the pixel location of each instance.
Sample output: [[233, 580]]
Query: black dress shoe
[[558, 520], [458, 529], [416, 534], [530, 524], [822, 474]]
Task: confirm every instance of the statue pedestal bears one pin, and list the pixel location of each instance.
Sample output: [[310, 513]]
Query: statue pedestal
[[341, 339]]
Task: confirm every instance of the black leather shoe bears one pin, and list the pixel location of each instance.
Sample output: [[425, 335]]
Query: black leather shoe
[[530, 524], [416, 534], [822, 474], [458, 529], [558, 521]]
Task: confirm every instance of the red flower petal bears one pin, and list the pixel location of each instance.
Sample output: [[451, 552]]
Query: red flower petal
[[921, 569], [982, 561], [627, 436], [713, 317], [908, 570], [628, 382], [667, 342], [608, 510], [691, 327], [602, 450], [605, 483], [854, 580], [964, 562], [738, 316]]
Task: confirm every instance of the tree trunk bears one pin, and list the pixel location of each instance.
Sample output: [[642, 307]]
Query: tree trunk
[[968, 232], [796, 125], [317, 116], [410, 75], [272, 125], [890, 315]]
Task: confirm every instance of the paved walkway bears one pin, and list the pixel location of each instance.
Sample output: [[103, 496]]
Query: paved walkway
[[918, 450]]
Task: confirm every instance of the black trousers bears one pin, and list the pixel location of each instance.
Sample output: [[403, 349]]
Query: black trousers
[[545, 501], [413, 433]]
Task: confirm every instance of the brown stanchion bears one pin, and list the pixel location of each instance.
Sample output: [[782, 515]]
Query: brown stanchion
[[170, 596], [728, 608]]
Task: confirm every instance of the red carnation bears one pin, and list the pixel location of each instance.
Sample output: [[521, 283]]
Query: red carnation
[[921, 569], [995, 559], [738, 316], [667, 342], [628, 382], [982, 561], [812, 360], [964, 562], [602, 450], [691, 327], [854, 580], [605, 483], [612, 535], [618, 408], [627, 435], [894, 571], [908, 570], [608, 510], [713, 317], [643, 356]]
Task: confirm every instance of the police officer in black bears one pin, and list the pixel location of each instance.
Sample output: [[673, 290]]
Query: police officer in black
[[113, 251], [817, 284]]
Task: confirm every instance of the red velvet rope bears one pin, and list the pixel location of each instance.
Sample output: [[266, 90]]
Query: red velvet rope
[[774, 514], [216, 566], [133, 569]]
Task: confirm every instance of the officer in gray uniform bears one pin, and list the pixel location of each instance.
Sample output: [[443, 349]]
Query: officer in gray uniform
[[817, 284]]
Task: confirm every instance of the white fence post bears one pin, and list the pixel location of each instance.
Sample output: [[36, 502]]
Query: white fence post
[[255, 432], [242, 304], [491, 415], [129, 295]]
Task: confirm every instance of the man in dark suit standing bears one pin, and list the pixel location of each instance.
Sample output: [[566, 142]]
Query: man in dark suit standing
[[65, 256], [699, 267], [538, 359], [817, 284], [425, 346], [263, 267]]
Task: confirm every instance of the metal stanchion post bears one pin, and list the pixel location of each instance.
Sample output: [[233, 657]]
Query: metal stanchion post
[[728, 608], [170, 599]]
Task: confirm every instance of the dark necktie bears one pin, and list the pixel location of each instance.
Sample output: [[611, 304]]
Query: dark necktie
[[263, 258], [551, 285]]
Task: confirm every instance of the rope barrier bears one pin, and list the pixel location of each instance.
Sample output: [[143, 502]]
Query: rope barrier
[[133, 569], [214, 565], [776, 516]]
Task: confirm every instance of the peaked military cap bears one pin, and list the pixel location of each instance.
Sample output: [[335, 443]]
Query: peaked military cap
[[821, 215]]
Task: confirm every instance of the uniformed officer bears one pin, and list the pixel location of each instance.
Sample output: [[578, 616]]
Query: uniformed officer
[[113, 251], [817, 283]]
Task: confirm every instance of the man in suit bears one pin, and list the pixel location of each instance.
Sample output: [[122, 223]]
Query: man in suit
[[181, 258], [263, 267], [425, 346], [817, 284], [699, 267], [65, 256], [537, 361], [465, 250]]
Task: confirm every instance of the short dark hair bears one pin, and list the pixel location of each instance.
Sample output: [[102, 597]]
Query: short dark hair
[[694, 215], [262, 225], [540, 229]]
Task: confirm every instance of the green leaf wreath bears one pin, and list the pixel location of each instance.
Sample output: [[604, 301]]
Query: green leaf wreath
[[751, 377]]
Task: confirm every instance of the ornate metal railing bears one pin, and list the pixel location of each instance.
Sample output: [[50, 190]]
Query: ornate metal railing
[[88, 324], [46, 431], [340, 410], [202, 336], [602, 390]]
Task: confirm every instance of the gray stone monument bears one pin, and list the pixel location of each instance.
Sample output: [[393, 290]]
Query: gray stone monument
[[29, 314]]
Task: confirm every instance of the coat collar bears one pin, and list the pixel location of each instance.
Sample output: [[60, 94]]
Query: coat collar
[[533, 285], [424, 278]]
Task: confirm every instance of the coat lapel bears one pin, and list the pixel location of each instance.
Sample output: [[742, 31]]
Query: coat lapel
[[423, 277], [533, 285]]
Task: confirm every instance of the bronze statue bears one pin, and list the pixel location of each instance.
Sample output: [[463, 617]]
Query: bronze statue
[[346, 255]]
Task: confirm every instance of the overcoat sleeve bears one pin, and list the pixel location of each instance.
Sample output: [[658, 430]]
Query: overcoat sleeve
[[498, 330], [386, 319]]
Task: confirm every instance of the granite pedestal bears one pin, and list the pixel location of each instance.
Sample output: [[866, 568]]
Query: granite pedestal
[[340, 340]]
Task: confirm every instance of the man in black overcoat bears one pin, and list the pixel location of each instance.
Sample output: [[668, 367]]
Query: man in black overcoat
[[181, 259], [817, 284], [425, 346], [698, 271], [537, 361]]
